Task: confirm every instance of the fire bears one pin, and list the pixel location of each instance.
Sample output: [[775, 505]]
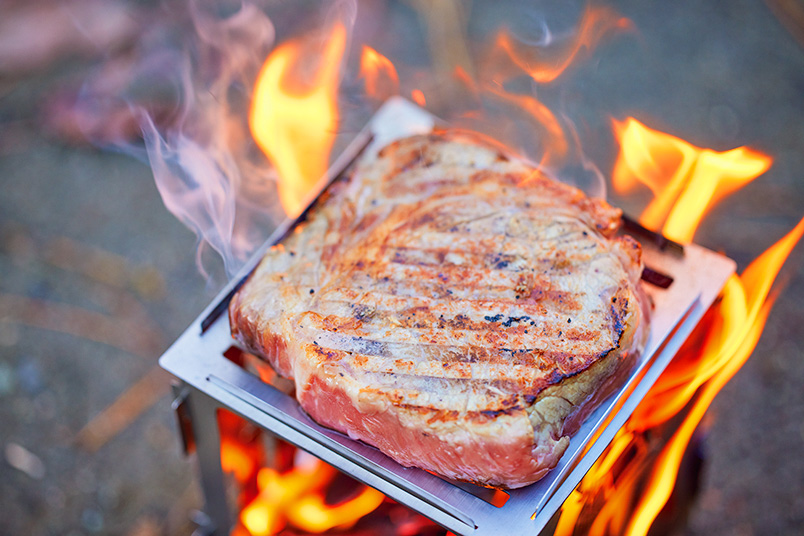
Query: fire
[[509, 60], [241, 452], [685, 179], [692, 179], [418, 97], [297, 496], [742, 314], [597, 23], [291, 488], [379, 74], [293, 118], [554, 142], [294, 122]]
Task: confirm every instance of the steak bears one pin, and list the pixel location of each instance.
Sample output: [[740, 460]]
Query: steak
[[451, 305]]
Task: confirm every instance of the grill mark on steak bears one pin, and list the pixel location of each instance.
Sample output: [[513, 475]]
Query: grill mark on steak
[[427, 392], [423, 321], [471, 361], [440, 392], [466, 281], [541, 356], [445, 232], [522, 291]]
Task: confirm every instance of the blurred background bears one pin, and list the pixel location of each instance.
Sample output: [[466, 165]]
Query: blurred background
[[97, 277]]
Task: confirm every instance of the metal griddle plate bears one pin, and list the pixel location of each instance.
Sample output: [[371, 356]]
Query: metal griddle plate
[[197, 358]]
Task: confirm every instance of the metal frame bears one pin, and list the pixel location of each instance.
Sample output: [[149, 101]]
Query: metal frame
[[211, 381]]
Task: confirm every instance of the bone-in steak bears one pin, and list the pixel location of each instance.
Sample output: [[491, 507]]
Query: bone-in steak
[[452, 306]]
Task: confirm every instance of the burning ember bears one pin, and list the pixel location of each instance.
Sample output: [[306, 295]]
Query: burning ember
[[294, 117]]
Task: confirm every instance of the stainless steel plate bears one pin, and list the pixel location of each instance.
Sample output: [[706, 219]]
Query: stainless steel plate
[[197, 358]]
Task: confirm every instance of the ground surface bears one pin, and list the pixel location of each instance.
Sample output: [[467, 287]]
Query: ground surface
[[97, 278]]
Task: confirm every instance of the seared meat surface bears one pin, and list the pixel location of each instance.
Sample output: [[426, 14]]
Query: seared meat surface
[[452, 306]]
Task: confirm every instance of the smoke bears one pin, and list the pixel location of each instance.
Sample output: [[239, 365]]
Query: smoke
[[186, 89], [204, 165]]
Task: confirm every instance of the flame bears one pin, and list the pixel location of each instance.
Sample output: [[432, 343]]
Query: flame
[[597, 23], [418, 97], [293, 122], [717, 349], [508, 60], [554, 143], [297, 497], [241, 452], [379, 74], [685, 179], [313, 515], [744, 310], [236, 460], [292, 492]]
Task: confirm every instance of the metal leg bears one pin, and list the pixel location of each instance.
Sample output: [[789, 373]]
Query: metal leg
[[207, 442]]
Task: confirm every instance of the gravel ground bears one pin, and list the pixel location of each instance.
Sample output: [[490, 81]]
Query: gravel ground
[[97, 278]]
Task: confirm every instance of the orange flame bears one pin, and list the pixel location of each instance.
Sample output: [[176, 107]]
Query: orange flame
[[744, 310], [297, 496], [241, 452], [720, 345], [418, 97], [685, 179], [554, 142], [509, 59], [294, 123], [379, 74], [293, 494], [597, 23]]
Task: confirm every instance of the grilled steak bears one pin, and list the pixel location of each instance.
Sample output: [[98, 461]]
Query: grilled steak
[[452, 306]]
